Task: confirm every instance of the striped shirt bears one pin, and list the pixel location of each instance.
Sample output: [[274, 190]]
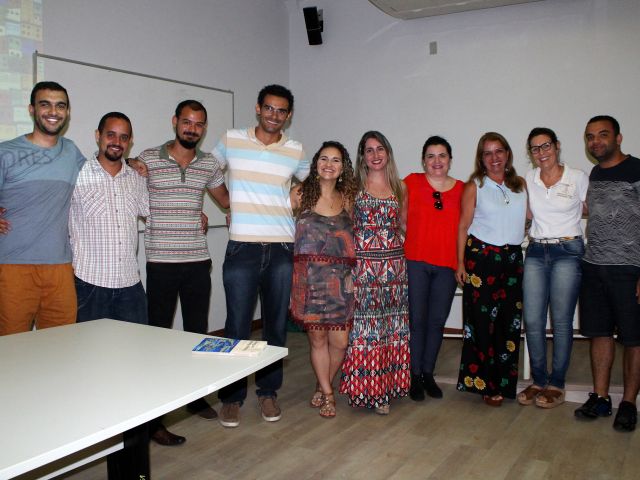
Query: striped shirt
[[174, 232], [259, 183], [103, 225]]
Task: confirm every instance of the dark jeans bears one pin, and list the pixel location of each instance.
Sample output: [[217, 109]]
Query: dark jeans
[[192, 282], [431, 291], [128, 304], [250, 269]]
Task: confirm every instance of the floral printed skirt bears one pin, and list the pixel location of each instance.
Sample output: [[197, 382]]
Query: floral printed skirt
[[492, 314]]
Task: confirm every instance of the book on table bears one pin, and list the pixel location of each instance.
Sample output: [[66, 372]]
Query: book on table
[[230, 347]]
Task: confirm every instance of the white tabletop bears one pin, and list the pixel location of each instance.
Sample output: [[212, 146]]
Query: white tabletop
[[66, 388]]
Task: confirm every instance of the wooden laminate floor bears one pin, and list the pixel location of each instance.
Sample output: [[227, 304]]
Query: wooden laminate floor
[[457, 437]]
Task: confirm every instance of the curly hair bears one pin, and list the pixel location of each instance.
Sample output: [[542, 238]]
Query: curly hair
[[511, 178], [346, 184], [391, 170]]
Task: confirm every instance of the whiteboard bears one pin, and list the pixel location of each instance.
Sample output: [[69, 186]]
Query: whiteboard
[[149, 102]]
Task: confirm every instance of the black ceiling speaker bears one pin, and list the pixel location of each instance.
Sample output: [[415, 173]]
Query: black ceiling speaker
[[314, 24]]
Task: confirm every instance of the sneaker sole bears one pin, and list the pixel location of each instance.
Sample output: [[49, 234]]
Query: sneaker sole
[[271, 419], [586, 416], [623, 427], [228, 424]]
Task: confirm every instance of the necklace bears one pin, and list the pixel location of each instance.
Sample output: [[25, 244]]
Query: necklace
[[504, 194]]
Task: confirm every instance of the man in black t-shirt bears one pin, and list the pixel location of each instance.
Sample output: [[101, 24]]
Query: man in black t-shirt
[[611, 271]]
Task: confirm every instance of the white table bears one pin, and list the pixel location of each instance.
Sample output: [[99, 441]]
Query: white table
[[67, 388]]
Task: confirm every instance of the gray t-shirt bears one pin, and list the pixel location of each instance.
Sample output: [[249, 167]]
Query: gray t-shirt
[[613, 228], [36, 185]]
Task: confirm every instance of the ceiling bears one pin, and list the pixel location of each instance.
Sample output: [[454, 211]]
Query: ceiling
[[407, 9]]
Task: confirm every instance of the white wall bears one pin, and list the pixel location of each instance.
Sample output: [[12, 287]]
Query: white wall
[[239, 45], [551, 63]]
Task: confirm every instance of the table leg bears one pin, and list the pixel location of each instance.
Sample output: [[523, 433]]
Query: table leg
[[132, 462]]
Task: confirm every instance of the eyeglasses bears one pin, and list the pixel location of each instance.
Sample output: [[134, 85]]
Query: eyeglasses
[[544, 147], [280, 112], [504, 194], [437, 196]]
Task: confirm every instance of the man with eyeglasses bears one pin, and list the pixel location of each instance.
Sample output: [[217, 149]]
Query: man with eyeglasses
[[610, 294], [261, 162]]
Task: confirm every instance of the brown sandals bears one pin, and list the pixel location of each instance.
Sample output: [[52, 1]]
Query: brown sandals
[[493, 400], [529, 394], [328, 407], [550, 397], [318, 398]]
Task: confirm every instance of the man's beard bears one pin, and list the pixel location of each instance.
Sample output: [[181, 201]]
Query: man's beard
[[112, 157], [188, 144]]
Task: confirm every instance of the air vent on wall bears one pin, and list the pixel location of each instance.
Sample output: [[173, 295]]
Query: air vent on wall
[[407, 9]]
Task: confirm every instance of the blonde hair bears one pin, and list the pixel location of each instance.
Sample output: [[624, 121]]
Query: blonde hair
[[391, 170]]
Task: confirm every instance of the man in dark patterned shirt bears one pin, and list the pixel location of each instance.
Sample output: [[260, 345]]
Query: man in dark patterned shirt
[[611, 271]]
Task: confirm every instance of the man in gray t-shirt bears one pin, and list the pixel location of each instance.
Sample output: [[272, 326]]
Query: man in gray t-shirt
[[38, 172], [611, 272]]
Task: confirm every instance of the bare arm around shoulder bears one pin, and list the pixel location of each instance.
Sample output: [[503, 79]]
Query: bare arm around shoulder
[[5, 225], [139, 166], [221, 195], [405, 207], [295, 198], [467, 210]]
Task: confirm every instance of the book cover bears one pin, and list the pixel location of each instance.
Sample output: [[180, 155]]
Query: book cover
[[229, 346]]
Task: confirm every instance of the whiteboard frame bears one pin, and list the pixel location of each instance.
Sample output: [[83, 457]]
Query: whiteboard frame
[[209, 206]]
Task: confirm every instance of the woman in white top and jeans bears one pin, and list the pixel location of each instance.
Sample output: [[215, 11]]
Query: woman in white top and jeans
[[552, 270]]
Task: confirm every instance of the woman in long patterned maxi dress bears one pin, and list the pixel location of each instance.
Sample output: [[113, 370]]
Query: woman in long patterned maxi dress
[[376, 368]]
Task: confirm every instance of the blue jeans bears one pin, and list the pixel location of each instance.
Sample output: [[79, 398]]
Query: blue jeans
[[431, 291], [552, 274], [252, 269], [128, 304]]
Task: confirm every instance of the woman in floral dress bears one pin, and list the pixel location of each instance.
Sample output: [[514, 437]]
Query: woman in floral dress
[[322, 292], [491, 229], [376, 367]]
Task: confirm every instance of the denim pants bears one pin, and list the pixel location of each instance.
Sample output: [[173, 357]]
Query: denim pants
[[251, 269], [94, 302], [431, 291], [552, 274]]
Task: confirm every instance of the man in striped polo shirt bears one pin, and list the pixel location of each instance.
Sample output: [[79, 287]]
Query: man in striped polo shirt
[[259, 259], [178, 261]]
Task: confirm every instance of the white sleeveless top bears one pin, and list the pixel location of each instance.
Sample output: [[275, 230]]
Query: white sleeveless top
[[500, 214]]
